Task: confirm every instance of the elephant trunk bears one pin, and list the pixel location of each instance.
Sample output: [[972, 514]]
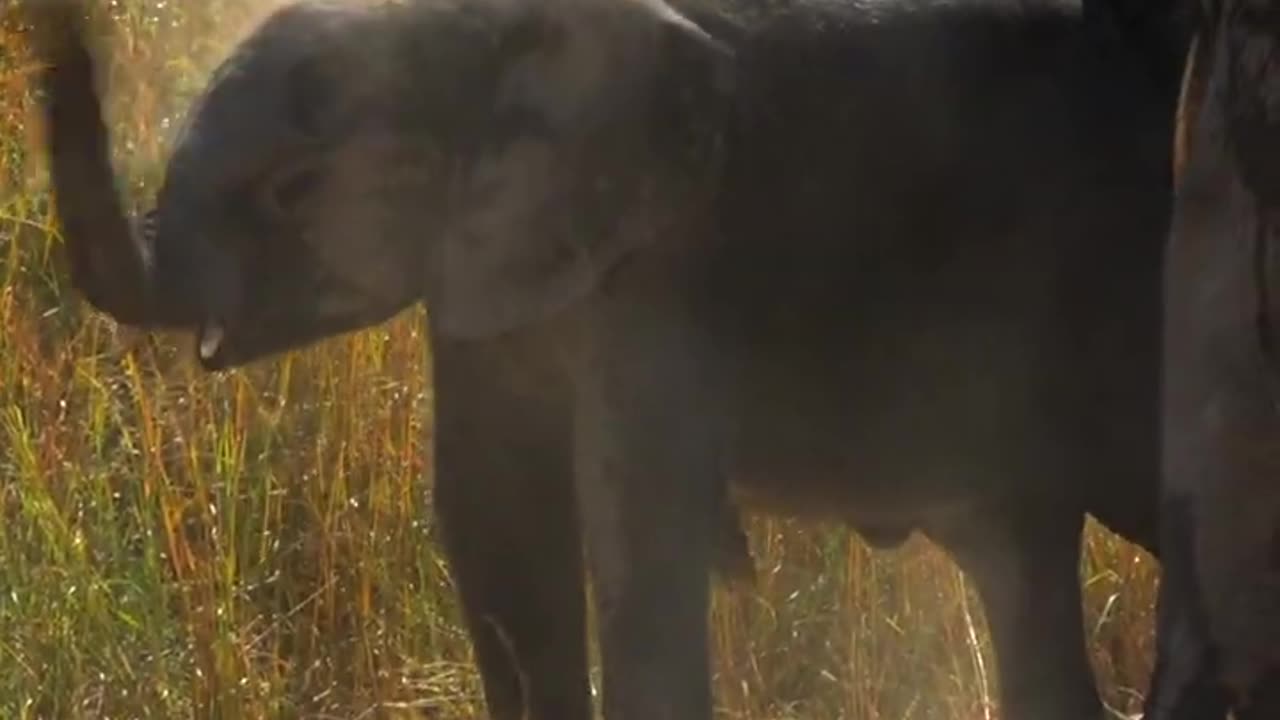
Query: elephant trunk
[[111, 263]]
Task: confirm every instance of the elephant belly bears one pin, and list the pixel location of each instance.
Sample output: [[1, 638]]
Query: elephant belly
[[897, 429]]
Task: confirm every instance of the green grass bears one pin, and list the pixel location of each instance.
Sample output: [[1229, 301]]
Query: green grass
[[259, 543]]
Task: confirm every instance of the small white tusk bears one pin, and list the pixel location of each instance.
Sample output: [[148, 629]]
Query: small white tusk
[[210, 340]]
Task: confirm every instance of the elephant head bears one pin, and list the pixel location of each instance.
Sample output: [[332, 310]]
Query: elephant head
[[1222, 370], [493, 158]]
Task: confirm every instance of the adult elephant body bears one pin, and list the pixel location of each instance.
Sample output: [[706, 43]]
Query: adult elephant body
[[895, 264], [1219, 619]]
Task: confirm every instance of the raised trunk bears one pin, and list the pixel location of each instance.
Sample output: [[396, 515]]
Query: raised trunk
[[109, 262]]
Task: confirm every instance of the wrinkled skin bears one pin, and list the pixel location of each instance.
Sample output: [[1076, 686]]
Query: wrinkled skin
[[898, 266], [1219, 617]]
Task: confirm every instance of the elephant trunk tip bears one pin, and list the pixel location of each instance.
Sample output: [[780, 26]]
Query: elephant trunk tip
[[107, 262]]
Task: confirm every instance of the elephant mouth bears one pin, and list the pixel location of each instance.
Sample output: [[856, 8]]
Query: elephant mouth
[[221, 346], [209, 340]]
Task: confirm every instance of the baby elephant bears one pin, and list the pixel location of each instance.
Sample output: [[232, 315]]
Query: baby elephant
[[892, 263], [1219, 614]]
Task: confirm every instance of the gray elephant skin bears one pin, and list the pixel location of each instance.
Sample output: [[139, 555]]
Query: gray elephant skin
[[1218, 630], [892, 264]]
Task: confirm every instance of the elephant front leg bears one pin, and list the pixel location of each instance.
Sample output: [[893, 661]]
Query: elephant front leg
[[650, 507], [1026, 568], [509, 525], [1184, 684]]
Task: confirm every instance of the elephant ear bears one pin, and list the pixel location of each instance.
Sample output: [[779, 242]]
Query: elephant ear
[[602, 139]]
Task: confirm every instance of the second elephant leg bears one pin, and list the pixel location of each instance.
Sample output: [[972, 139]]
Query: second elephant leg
[[1026, 568], [647, 440]]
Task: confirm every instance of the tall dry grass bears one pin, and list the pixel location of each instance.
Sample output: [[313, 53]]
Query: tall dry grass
[[258, 543]]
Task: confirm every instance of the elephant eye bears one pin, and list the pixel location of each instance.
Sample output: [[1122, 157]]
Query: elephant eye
[[284, 195]]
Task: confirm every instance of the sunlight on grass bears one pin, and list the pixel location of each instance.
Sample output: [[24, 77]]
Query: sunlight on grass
[[259, 543]]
